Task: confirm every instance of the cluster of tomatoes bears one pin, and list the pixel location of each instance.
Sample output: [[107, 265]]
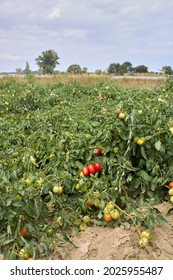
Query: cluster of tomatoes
[[170, 192], [91, 169]]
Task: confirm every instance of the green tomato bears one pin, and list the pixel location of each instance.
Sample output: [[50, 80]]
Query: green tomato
[[57, 189], [82, 227], [171, 199], [145, 234], [143, 242], [170, 192], [115, 214], [24, 254], [77, 187], [171, 130], [86, 219], [28, 181]]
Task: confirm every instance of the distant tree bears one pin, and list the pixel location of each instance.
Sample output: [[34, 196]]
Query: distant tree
[[167, 70], [47, 61], [113, 68], [74, 69], [126, 67], [141, 69], [18, 71], [27, 69], [85, 70]]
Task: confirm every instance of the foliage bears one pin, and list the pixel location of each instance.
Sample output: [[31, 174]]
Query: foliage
[[47, 61], [74, 69], [167, 70], [141, 69], [49, 132]]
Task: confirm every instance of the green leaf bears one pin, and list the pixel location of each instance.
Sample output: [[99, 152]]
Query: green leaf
[[144, 175], [158, 145]]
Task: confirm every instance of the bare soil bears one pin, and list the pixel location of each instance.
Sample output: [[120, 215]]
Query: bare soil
[[103, 243]]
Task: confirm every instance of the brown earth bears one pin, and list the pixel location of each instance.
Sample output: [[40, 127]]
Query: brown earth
[[103, 243]]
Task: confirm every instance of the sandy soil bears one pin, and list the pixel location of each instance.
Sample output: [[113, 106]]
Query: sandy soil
[[99, 243]]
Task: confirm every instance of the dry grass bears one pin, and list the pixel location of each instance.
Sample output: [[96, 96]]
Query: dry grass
[[125, 82]]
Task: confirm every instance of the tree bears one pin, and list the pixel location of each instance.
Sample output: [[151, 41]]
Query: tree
[[113, 68], [75, 69], [85, 70], [19, 71], [141, 69], [47, 61], [27, 69], [167, 70]]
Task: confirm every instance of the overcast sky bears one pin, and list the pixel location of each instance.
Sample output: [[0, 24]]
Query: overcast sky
[[91, 33]]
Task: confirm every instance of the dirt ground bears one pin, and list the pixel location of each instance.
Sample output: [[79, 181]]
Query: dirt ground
[[99, 243]]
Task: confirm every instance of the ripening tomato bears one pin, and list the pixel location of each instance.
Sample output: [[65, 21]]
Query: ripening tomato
[[89, 203], [91, 169], [171, 185], [122, 116], [140, 141], [98, 151], [24, 232], [97, 166], [85, 171], [107, 218]]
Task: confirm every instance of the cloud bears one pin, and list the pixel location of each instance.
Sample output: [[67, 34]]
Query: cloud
[[55, 13], [92, 33]]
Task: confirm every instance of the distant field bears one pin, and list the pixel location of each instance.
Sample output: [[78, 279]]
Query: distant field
[[138, 81]]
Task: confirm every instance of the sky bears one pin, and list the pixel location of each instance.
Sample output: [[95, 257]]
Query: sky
[[91, 33]]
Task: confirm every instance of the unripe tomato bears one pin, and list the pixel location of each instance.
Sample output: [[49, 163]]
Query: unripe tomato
[[122, 116], [24, 232], [170, 185], [57, 189], [91, 169], [170, 192], [140, 141], [77, 187], [171, 199], [83, 227], [136, 139], [85, 171], [118, 111], [143, 242], [115, 214], [110, 205], [97, 166], [28, 181], [171, 130], [145, 234], [86, 219], [24, 254]]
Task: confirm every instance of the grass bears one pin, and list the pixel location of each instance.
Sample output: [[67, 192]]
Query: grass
[[124, 82]]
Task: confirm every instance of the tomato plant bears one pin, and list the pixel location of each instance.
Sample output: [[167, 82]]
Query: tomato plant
[[51, 137]]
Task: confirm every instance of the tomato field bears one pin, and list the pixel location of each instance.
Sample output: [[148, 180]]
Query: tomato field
[[76, 155]]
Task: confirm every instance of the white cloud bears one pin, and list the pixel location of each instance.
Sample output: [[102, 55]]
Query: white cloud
[[55, 13]]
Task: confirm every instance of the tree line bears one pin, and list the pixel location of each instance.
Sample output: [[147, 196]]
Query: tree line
[[49, 59]]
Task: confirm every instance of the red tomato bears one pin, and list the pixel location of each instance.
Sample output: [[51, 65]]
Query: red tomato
[[97, 166], [24, 232], [171, 185], [98, 151], [85, 171], [91, 169]]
